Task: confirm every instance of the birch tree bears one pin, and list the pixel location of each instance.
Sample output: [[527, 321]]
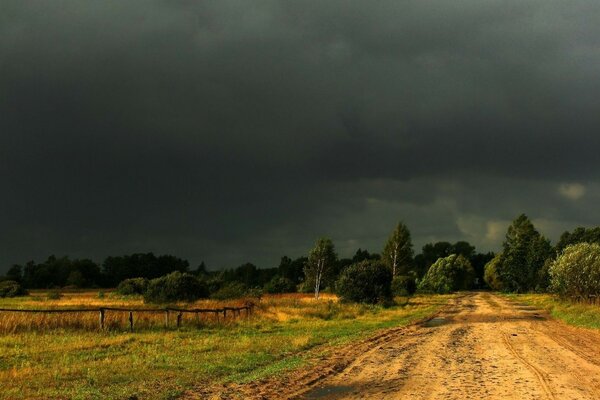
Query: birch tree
[[398, 252], [321, 260]]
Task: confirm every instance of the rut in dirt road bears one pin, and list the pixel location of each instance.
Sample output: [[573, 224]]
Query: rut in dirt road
[[482, 347]]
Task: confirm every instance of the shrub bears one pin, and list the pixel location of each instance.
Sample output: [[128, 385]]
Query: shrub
[[365, 282], [54, 294], [448, 274], [11, 289], [231, 290], [175, 286], [404, 285], [280, 285], [576, 272], [490, 274], [133, 286]]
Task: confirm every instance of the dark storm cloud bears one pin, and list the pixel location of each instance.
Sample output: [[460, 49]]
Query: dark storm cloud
[[233, 131]]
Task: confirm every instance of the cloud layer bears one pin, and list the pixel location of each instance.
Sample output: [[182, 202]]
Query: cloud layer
[[234, 131]]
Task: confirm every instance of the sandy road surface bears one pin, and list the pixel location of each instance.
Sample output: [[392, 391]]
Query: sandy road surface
[[482, 346]]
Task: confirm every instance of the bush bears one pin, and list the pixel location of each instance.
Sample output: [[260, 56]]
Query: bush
[[365, 282], [448, 275], [231, 290], [280, 285], [490, 274], [133, 286], [11, 289], [175, 286], [404, 285], [54, 294], [576, 272]]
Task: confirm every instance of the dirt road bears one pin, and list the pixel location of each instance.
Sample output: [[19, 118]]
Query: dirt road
[[482, 346]]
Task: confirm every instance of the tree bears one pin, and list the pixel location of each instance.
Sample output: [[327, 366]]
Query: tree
[[367, 281], [432, 252], [490, 275], [524, 254], [398, 252], [321, 260], [175, 286], [576, 271], [448, 275], [579, 235], [15, 273], [292, 269]]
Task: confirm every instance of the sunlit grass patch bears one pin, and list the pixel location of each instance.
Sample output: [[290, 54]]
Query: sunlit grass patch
[[577, 314], [160, 363]]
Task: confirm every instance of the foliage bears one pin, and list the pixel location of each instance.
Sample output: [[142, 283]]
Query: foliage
[[448, 275], [579, 235], [319, 267], [59, 272], [292, 269], [133, 286], [491, 276], [431, 252], [141, 265], [174, 287], [404, 285], [365, 282], [398, 252], [576, 272], [231, 290], [54, 294], [11, 289], [280, 284], [524, 254]]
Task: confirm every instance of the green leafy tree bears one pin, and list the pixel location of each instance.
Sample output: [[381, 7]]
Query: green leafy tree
[[579, 235], [576, 271], [448, 275], [365, 282], [321, 261], [490, 275], [524, 254], [398, 251]]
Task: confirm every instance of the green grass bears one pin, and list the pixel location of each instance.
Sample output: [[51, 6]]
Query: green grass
[[583, 315], [161, 364]]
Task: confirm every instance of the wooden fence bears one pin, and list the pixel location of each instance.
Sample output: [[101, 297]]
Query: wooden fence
[[168, 311]]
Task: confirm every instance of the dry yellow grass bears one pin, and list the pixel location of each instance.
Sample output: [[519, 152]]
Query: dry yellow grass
[[74, 360]]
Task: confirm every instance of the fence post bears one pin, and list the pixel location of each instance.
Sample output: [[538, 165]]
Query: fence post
[[102, 318], [166, 318], [131, 320], [179, 319], [224, 314]]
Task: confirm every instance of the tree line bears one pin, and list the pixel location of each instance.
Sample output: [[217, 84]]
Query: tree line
[[524, 264]]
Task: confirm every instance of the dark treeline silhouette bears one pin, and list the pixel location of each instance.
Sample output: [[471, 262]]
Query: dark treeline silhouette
[[522, 265]]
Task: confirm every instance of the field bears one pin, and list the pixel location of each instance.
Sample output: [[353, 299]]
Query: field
[[67, 356]]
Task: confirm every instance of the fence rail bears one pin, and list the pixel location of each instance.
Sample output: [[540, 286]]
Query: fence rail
[[234, 311]]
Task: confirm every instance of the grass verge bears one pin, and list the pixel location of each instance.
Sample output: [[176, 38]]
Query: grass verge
[[582, 315]]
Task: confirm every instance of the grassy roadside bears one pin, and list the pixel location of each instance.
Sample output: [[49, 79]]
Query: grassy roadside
[[582, 315], [160, 364]]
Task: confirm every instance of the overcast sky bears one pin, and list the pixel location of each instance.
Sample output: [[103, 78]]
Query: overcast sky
[[242, 131]]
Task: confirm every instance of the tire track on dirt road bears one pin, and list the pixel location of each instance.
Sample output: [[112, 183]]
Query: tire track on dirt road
[[539, 374]]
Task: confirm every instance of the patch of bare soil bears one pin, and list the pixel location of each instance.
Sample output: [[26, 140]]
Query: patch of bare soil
[[480, 347]]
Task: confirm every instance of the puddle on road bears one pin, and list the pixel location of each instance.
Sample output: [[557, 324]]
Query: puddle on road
[[326, 391], [433, 322]]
